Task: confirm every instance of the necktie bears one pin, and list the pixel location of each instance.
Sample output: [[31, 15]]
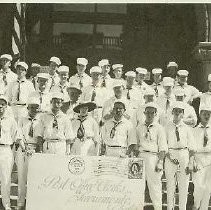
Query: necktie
[[147, 134], [128, 93], [5, 79], [80, 84], [31, 129], [55, 122], [177, 134], [156, 90], [167, 104], [113, 130], [19, 90], [81, 130], [103, 83], [41, 93], [33, 81], [205, 137], [52, 82], [0, 126], [61, 88], [93, 95]]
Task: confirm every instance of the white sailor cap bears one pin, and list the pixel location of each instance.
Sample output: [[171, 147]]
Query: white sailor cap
[[168, 81], [33, 100], [95, 69], [183, 73], [63, 69], [3, 97], [209, 78], [149, 92], [204, 107], [151, 104], [115, 66], [103, 62], [43, 75], [172, 63], [178, 105], [157, 71], [130, 74], [7, 56], [57, 94], [141, 70], [23, 64], [55, 60], [35, 65], [179, 92], [82, 61], [117, 83]]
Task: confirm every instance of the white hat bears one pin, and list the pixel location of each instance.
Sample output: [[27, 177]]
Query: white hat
[[63, 69], [43, 75], [115, 66], [168, 81], [141, 70], [149, 91], [183, 73], [7, 56], [96, 69], [55, 60], [117, 83], [57, 94], [151, 104], [178, 105], [82, 61], [103, 62], [179, 92], [3, 97], [157, 71], [172, 63], [35, 65], [204, 108], [23, 64], [130, 74], [209, 78], [33, 100]]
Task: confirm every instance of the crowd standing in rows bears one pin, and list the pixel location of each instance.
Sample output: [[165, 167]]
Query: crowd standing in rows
[[98, 115]]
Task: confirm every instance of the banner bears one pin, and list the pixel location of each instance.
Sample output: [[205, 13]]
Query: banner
[[85, 183]]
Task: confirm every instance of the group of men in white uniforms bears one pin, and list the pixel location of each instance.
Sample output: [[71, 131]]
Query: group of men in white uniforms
[[100, 115]]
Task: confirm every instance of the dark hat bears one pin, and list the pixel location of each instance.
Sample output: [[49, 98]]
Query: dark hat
[[91, 106]]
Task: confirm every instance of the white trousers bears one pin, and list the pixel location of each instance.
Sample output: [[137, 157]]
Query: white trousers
[[153, 179], [57, 147], [173, 175], [6, 164]]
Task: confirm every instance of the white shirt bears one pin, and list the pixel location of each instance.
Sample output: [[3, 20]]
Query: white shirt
[[205, 99], [185, 133], [124, 134], [64, 131], [53, 80], [160, 89], [153, 140], [85, 80], [26, 88], [8, 130], [10, 76], [63, 89]]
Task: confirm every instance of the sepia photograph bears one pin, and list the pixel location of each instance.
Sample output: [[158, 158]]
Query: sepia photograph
[[105, 105]]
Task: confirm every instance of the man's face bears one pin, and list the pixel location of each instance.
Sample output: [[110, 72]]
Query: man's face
[[105, 69], [53, 67], [84, 111], [21, 71], [168, 90], [42, 82], [172, 70], [118, 73], [148, 98], [205, 116], [178, 114], [182, 79], [5, 63], [150, 113], [95, 76], [56, 103], [3, 106], [118, 110], [34, 71], [33, 109], [157, 78], [74, 94], [140, 77], [80, 68], [63, 76], [130, 81], [118, 91]]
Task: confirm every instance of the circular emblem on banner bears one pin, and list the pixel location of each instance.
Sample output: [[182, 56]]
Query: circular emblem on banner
[[76, 165]]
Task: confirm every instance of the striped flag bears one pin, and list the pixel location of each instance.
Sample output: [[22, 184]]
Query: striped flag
[[19, 34]]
